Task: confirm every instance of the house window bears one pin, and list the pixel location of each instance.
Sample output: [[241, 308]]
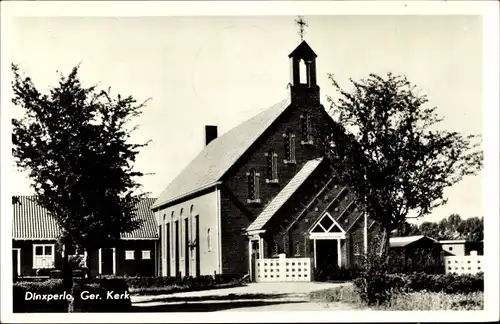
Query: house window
[[306, 128], [209, 240], [253, 186], [43, 256], [129, 255], [146, 254], [450, 248], [272, 167], [289, 148]]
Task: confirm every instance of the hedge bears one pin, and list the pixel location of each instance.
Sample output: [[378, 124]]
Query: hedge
[[378, 288], [54, 300], [201, 281]]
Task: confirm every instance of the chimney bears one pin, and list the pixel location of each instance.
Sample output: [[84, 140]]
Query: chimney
[[210, 133]]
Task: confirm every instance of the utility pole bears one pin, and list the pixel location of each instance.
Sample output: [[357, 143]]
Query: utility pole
[[365, 232]]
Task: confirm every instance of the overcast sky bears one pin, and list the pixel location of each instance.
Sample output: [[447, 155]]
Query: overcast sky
[[224, 70]]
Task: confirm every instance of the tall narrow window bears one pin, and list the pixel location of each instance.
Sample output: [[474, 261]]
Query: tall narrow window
[[289, 148], [192, 241], [303, 72], [275, 249], [272, 167], [253, 186], [181, 234], [306, 128], [209, 240]]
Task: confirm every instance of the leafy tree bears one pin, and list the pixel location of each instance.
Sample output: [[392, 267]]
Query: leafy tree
[[407, 229], [385, 142], [73, 141], [472, 229], [431, 229], [449, 227]]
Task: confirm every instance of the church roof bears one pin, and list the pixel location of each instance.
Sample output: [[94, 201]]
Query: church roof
[[210, 165], [303, 50], [33, 222], [284, 195]]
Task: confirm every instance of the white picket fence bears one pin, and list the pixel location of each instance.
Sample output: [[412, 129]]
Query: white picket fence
[[283, 269], [468, 264]]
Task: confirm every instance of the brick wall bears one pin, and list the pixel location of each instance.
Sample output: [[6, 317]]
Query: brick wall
[[234, 241], [236, 212]]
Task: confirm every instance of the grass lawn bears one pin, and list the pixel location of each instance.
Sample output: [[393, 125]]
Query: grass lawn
[[422, 300]]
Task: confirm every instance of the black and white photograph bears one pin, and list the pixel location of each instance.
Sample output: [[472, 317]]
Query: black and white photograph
[[221, 161]]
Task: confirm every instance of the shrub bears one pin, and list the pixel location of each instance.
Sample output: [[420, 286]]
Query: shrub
[[374, 285], [345, 293], [201, 281], [334, 273], [449, 283], [425, 300], [425, 260]]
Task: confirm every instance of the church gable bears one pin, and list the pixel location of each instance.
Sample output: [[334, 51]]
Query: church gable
[[327, 225]]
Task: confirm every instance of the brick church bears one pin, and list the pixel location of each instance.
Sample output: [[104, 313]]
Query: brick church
[[261, 189]]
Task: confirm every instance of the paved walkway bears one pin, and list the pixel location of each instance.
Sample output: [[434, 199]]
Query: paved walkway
[[272, 290], [277, 296]]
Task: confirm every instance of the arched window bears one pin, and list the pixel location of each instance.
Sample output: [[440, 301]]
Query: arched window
[[272, 166], [289, 147], [181, 235], [171, 244], [253, 186], [191, 220], [303, 72], [209, 240]]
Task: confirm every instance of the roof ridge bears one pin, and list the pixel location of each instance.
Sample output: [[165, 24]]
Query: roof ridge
[[215, 159], [33, 221]]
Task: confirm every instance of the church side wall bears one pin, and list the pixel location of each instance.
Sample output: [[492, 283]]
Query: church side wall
[[205, 208]]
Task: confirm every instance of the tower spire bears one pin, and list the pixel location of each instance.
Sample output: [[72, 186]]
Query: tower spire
[[302, 24]]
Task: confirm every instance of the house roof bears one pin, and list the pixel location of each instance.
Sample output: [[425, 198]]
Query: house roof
[[284, 195], [210, 165], [407, 240], [33, 222], [452, 241]]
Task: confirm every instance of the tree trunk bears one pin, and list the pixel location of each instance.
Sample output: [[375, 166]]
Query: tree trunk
[[88, 263], [67, 275]]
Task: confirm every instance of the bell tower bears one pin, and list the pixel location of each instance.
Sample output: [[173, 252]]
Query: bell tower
[[303, 84]]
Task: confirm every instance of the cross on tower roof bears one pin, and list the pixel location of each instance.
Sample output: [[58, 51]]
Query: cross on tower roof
[[301, 23]]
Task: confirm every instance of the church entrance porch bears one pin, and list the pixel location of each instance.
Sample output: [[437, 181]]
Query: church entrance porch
[[326, 253], [327, 235]]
